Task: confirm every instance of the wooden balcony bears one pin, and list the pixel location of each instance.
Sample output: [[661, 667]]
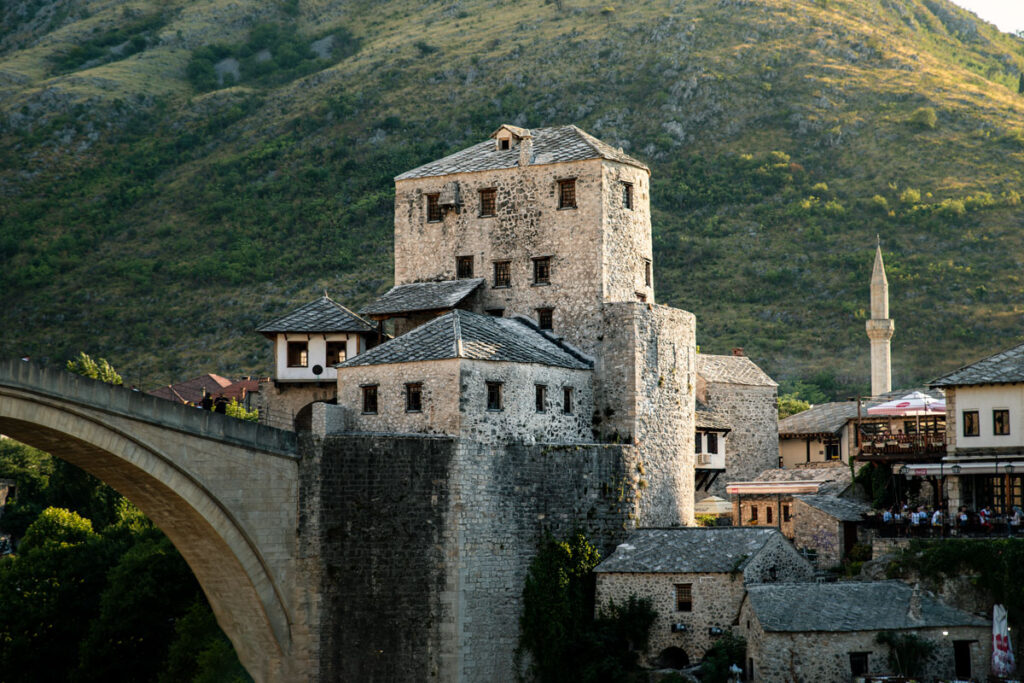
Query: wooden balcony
[[902, 448]]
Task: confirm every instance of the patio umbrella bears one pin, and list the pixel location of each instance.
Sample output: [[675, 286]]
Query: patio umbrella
[[1002, 652], [912, 404]]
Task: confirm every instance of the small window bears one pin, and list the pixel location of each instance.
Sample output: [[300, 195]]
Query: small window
[[567, 193], [494, 396], [684, 597], [336, 352], [434, 208], [696, 442], [495, 312], [712, 443], [298, 354], [647, 272], [370, 399], [464, 267], [488, 205], [972, 426], [627, 195], [1000, 422], [502, 273], [859, 663], [785, 513], [503, 143], [545, 318], [541, 397], [567, 399], [769, 515], [753, 513], [542, 270], [414, 397]]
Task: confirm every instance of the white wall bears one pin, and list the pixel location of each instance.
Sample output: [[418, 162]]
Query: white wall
[[317, 354], [985, 399], [716, 460]]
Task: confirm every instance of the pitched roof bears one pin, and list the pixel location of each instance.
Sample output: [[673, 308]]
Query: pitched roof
[[849, 606], [550, 146], [843, 509], [462, 334], [828, 480], [706, 418], [191, 391], [1004, 367], [732, 370], [422, 296], [688, 550], [824, 418], [322, 315]]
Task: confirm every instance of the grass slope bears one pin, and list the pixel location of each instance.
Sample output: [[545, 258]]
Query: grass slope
[[155, 218]]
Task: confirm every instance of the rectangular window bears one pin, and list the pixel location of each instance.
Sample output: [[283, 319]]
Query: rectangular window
[[785, 513], [542, 270], [336, 352], [434, 208], [488, 204], [503, 143], [494, 396], [545, 317], [972, 426], [414, 397], [684, 597], [495, 312], [753, 513], [370, 399], [502, 273], [647, 272], [1001, 422], [859, 663], [768, 514], [712, 443], [298, 354], [831, 448], [464, 267], [627, 195], [567, 400], [696, 442], [567, 193], [541, 397]]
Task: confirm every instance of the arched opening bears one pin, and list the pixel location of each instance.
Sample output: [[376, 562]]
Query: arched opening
[[672, 658], [304, 418], [224, 557]]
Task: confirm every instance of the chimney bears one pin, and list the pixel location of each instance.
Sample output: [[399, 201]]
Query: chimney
[[525, 150], [738, 351]]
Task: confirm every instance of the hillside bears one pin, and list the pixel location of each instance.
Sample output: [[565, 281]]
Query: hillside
[[173, 173]]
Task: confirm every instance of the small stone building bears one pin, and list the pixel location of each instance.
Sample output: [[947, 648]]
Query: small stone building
[[740, 395], [826, 632], [823, 433], [696, 578]]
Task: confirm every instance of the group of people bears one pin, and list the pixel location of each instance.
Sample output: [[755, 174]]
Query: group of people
[[925, 521]]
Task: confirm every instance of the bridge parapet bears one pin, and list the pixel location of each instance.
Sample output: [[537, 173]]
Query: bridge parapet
[[136, 405]]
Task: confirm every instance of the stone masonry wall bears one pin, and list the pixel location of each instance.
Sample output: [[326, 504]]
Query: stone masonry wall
[[280, 403], [426, 540], [820, 531], [627, 239], [753, 444], [778, 562]]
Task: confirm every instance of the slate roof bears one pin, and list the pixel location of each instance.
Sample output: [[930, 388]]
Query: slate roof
[[322, 315], [732, 370], [550, 146], [849, 606], [463, 334], [832, 480], [824, 418], [1004, 367], [422, 296], [688, 550], [706, 418], [843, 509]]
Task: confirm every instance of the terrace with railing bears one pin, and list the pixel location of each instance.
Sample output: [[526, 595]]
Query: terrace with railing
[[901, 447]]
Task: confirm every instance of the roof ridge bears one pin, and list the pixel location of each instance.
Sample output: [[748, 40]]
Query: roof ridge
[[457, 332]]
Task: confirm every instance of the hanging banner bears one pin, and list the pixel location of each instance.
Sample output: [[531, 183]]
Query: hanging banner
[[1002, 652]]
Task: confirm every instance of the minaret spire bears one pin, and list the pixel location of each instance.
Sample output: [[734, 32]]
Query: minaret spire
[[880, 328]]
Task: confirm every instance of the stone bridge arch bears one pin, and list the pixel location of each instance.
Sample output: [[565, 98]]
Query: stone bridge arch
[[225, 492]]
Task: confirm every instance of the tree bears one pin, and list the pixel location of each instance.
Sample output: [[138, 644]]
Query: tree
[[728, 651], [908, 652], [101, 370], [791, 404]]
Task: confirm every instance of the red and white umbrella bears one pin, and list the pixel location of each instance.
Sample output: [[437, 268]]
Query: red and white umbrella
[[1002, 650], [914, 403]]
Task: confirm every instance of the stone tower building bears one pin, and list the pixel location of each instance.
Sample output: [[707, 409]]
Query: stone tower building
[[880, 328]]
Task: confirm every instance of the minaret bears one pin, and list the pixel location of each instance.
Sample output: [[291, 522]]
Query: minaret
[[880, 328]]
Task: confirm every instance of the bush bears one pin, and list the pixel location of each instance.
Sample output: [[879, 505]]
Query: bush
[[924, 117], [910, 196], [729, 650]]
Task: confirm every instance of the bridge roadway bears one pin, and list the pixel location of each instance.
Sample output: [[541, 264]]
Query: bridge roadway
[[225, 491]]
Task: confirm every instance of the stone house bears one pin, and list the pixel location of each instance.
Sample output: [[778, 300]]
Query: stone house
[[825, 432], [738, 394], [826, 632], [308, 343], [696, 579]]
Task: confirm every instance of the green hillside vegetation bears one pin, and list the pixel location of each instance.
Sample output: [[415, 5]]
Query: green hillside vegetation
[[157, 207]]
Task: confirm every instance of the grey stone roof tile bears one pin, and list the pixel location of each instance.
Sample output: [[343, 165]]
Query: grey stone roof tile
[[849, 606], [832, 480], [688, 550], [550, 146], [463, 334], [322, 315], [824, 418], [732, 370], [422, 296], [1005, 367], [843, 509]]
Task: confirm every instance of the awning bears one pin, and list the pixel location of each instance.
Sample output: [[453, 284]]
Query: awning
[[746, 488], [966, 468]]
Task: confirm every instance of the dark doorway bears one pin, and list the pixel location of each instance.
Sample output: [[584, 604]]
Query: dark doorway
[[962, 658], [673, 658]]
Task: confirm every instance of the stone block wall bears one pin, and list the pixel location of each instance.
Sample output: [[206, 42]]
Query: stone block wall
[[819, 531], [426, 541], [777, 562], [279, 403]]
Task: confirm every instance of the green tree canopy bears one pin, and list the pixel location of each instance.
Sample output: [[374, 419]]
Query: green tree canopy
[[101, 369]]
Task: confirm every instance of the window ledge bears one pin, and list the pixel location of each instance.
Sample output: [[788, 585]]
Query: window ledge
[[567, 208], [365, 413], [501, 286], [414, 411], [540, 284]]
